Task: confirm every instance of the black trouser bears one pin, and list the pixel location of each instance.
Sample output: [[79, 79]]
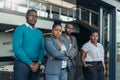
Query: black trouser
[[71, 73], [71, 69], [94, 72], [23, 72]]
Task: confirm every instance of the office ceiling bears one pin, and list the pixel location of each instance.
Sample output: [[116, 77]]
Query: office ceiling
[[4, 27], [10, 28]]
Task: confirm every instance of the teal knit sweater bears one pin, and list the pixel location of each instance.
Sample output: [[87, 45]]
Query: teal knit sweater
[[28, 44]]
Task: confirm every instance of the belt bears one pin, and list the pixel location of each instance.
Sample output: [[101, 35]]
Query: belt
[[94, 62]]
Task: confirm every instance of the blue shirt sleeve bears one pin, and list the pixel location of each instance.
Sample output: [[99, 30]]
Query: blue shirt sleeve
[[18, 46]]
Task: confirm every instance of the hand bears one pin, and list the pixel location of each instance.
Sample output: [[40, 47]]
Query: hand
[[32, 65], [35, 66], [51, 58], [105, 72], [86, 65], [75, 50], [63, 52], [68, 58]]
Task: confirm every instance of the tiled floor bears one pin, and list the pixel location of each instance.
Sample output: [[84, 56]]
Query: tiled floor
[[6, 73]]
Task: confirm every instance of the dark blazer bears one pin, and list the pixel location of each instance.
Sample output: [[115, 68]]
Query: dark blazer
[[53, 66]]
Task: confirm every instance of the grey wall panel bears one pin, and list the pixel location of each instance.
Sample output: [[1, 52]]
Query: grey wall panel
[[6, 44]]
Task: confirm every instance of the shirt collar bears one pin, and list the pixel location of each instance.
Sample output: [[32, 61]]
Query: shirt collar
[[29, 26], [91, 43]]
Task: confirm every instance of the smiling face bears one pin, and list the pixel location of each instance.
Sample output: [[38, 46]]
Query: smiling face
[[57, 31], [94, 37], [31, 18]]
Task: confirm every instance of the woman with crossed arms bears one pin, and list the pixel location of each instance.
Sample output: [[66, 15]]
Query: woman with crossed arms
[[58, 55]]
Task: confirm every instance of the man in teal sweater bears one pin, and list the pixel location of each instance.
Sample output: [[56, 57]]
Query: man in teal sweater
[[28, 46]]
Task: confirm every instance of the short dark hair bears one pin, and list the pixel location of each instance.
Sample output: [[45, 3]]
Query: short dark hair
[[93, 31], [69, 23], [30, 11]]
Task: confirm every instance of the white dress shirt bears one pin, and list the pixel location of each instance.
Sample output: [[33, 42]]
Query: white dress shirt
[[70, 45], [64, 63], [94, 53], [29, 26]]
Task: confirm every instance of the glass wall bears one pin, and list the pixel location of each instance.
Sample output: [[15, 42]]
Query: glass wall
[[51, 11], [44, 9], [88, 17], [118, 46], [105, 26], [20, 6], [94, 21], [105, 38], [1, 3], [85, 16]]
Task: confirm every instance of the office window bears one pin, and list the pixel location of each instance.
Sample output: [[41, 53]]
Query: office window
[[117, 36], [34, 5], [55, 12], [94, 20], [8, 4], [85, 16], [63, 18], [118, 45], [44, 10], [20, 5], [22, 9], [2, 4]]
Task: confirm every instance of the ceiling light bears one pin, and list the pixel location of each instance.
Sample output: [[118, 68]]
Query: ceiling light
[[9, 30]]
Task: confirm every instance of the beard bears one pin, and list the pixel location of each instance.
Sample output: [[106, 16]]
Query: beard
[[32, 23], [68, 33]]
